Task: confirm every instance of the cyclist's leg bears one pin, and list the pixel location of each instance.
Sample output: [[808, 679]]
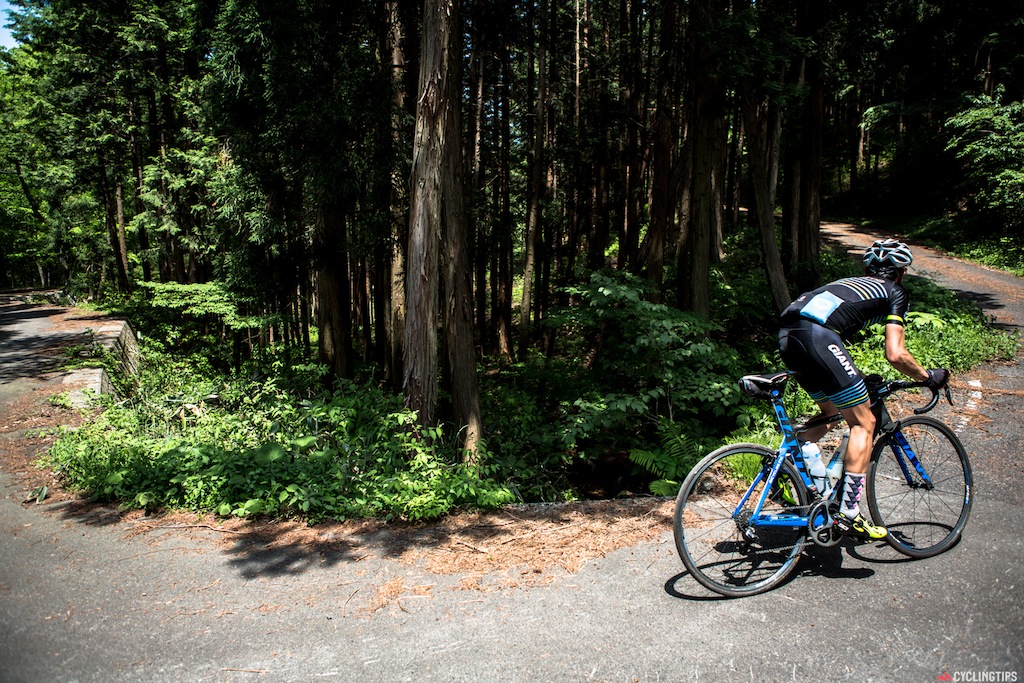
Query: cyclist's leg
[[858, 454], [846, 392], [826, 409], [862, 430], [825, 370]]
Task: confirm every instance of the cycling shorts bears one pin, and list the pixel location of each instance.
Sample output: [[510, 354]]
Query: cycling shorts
[[823, 366]]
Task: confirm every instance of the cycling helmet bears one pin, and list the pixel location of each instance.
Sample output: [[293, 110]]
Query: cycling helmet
[[887, 257]]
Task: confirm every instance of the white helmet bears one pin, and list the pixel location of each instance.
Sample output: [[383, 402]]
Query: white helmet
[[884, 257]]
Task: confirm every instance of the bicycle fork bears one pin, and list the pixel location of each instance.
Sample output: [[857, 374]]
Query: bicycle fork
[[903, 452]]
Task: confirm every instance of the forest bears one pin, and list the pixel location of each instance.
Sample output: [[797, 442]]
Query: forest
[[400, 256]]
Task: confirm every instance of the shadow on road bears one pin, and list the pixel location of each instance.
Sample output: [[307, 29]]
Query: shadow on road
[[29, 346], [816, 561]]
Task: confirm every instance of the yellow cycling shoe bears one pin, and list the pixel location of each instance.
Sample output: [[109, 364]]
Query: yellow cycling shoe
[[858, 526]]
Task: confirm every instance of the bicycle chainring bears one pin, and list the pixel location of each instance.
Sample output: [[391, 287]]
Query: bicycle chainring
[[820, 526]]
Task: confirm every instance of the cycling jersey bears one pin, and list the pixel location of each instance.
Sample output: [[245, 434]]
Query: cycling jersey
[[814, 326], [849, 305]]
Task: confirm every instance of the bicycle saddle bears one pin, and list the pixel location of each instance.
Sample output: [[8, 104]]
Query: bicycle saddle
[[761, 386]]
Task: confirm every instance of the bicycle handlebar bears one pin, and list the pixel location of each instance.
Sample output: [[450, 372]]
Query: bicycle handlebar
[[887, 388]]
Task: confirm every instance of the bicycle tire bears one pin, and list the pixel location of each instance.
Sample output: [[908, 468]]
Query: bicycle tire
[[922, 522], [710, 541]]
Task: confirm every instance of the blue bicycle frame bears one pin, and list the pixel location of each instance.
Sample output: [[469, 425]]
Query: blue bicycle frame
[[790, 447]]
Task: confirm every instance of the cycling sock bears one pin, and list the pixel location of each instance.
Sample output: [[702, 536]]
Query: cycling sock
[[853, 484]]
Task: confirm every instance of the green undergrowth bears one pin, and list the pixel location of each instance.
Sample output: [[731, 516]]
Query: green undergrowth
[[267, 445]]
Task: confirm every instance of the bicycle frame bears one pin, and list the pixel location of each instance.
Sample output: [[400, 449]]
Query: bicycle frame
[[901, 449], [790, 447]]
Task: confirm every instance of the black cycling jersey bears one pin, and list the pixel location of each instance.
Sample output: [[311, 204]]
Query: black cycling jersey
[[851, 304]]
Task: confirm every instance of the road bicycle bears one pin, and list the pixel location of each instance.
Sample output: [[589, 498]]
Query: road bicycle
[[745, 512]]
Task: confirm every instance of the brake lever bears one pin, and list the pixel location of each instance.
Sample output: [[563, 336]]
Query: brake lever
[[949, 396]]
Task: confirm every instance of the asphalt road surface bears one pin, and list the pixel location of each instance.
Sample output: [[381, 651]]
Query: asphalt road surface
[[82, 598]]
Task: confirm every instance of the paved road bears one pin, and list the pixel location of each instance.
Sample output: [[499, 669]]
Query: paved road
[[83, 599]]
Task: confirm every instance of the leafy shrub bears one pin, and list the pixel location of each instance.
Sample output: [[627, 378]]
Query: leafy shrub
[[244, 446], [681, 446], [649, 361]]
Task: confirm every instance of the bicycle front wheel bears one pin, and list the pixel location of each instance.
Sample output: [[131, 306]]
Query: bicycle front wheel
[[924, 513], [716, 543]]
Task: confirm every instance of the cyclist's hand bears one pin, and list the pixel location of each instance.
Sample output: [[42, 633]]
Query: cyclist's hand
[[938, 378]]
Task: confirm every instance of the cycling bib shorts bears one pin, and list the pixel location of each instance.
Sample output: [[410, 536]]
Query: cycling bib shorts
[[822, 364]]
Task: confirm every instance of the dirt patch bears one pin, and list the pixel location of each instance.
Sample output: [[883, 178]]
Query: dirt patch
[[28, 427], [525, 545]]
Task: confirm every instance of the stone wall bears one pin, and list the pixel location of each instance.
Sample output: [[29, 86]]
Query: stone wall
[[117, 337]]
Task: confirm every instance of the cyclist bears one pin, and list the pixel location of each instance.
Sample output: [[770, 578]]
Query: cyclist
[[811, 335]]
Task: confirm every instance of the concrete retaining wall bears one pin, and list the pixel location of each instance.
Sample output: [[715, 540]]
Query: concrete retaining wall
[[118, 338]]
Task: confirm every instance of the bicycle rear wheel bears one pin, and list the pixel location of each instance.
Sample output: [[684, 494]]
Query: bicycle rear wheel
[[715, 542], [924, 517]]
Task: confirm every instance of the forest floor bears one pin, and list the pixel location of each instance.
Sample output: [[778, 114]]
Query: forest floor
[[524, 541]]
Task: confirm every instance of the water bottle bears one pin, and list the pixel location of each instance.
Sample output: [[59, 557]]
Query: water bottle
[[835, 468], [815, 467]]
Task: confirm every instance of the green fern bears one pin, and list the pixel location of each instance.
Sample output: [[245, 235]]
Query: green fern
[[676, 456]]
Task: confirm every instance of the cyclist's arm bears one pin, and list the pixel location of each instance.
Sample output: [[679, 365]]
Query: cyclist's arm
[[898, 356]]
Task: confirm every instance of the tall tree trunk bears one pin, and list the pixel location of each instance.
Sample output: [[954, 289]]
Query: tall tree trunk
[[333, 310], [662, 205], [426, 206], [122, 235], [136, 154], [809, 226], [758, 116], [29, 197], [114, 234], [394, 308], [458, 307], [707, 128], [477, 192], [537, 166], [633, 102], [502, 306]]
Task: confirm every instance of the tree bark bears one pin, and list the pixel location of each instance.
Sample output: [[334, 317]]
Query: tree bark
[[809, 226], [394, 316], [458, 307], [758, 117], [502, 275], [533, 219], [707, 128], [114, 234], [426, 209], [662, 205], [333, 311]]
